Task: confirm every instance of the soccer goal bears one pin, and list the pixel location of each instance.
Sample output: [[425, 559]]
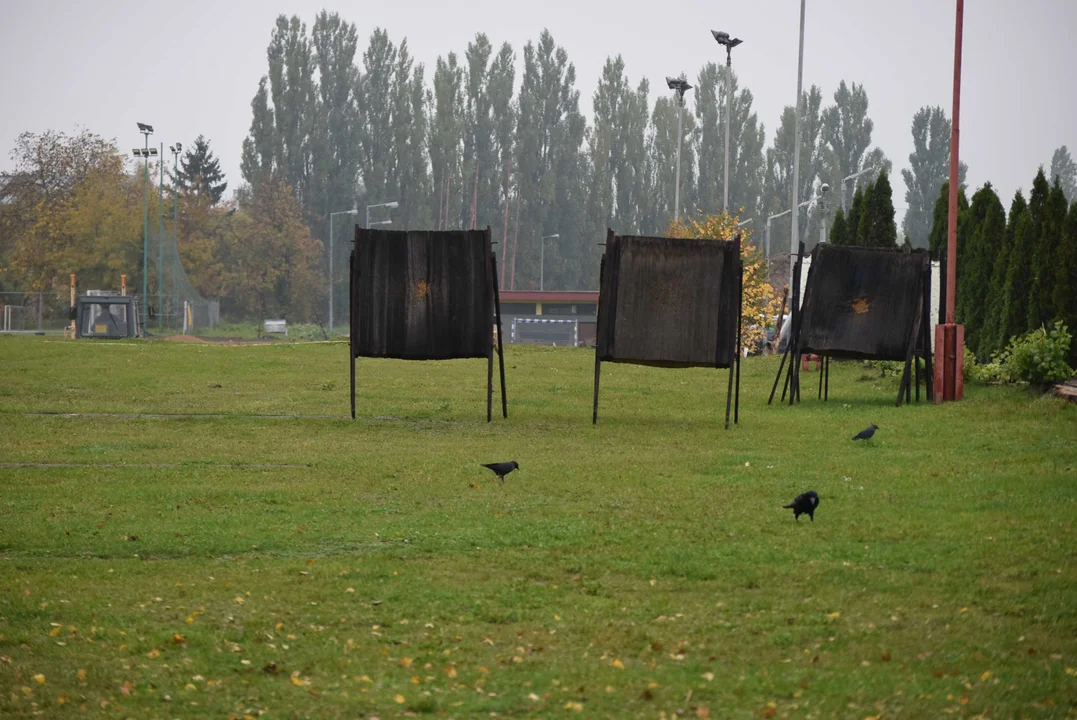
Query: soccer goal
[[545, 331]]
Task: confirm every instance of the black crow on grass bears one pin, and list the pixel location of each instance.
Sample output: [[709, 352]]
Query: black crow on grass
[[503, 469], [804, 504], [866, 433]]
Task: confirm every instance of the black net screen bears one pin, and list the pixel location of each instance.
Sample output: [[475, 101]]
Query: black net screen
[[669, 301], [422, 295], [862, 302]]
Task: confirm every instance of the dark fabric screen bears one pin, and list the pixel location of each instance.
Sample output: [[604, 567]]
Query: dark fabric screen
[[862, 302], [669, 301], [422, 295]]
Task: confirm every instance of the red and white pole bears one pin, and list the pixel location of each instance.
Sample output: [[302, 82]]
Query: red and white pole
[[950, 337]]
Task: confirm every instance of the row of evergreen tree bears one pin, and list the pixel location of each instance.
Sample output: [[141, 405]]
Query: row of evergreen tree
[[346, 128], [1016, 272], [870, 222], [478, 144]]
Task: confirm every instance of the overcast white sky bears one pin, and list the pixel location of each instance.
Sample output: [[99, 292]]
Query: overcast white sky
[[192, 67]]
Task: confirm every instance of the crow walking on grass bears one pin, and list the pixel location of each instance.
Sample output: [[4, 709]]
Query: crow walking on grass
[[804, 504], [503, 469], [866, 433]]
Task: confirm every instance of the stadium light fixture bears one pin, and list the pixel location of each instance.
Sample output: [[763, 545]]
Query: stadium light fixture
[[729, 43]]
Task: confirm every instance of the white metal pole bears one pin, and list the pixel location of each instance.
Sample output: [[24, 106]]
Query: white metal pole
[[680, 137], [795, 232], [766, 241], [330, 272], [728, 122], [542, 264]]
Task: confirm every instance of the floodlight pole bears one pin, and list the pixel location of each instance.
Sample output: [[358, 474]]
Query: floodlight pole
[[794, 236], [160, 244], [145, 219], [542, 259], [795, 233], [352, 212], [680, 137], [728, 121], [176, 150], [729, 43], [681, 86]]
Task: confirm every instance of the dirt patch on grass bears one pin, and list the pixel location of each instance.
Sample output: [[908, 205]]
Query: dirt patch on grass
[[183, 338]]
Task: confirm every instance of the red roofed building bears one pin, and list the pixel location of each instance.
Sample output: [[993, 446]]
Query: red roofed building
[[579, 305]]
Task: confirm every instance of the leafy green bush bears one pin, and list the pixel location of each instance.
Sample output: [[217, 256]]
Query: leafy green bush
[[992, 372], [1039, 357], [886, 368]]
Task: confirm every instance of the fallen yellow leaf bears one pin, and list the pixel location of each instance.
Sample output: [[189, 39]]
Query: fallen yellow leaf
[[54, 632], [834, 615], [39, 679], [81, 674], [708, 676], [618, 664], [240, 600], [574, 706], [450, 671], [155, 653], [405, 662], [399, 699]]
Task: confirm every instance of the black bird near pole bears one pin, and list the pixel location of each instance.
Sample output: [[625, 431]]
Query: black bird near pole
[[803, 504], [866, 433], [503, 469]]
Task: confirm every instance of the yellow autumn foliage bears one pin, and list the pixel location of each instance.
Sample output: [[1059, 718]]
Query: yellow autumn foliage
[[760, 304]]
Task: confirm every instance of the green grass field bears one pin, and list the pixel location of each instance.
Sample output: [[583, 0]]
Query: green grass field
[[256, 564]]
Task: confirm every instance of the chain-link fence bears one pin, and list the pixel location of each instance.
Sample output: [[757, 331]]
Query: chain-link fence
[[34, 312]]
